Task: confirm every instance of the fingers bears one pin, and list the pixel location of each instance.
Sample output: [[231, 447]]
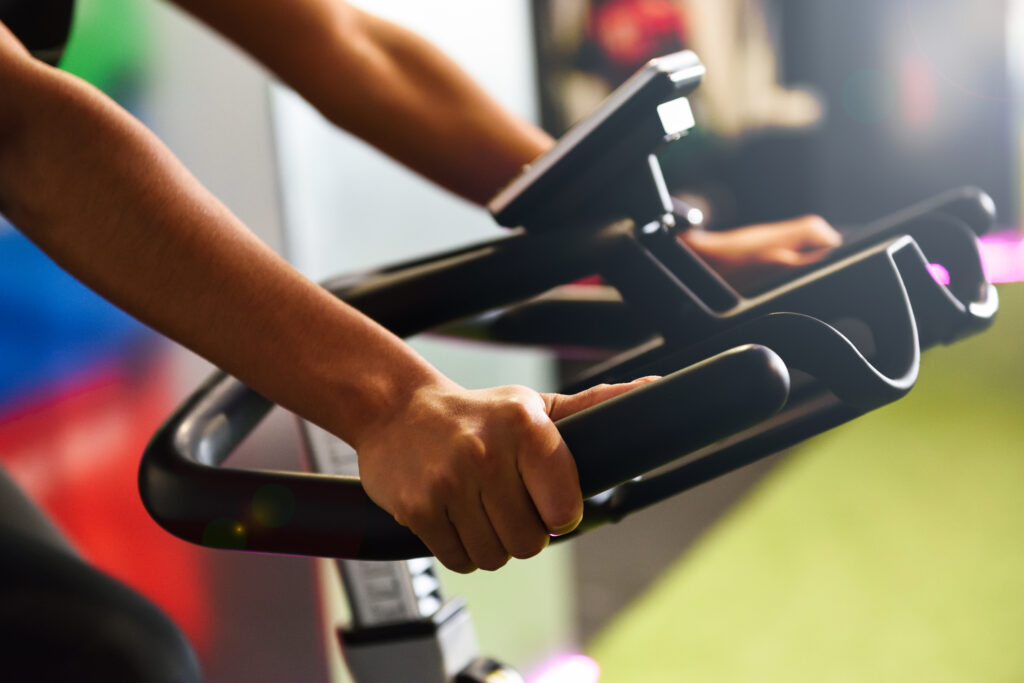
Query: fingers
[[497, 518], [488, 513], [812, 232], [549, 474], [560, 405], [486, 532], [542, 468], [793, 258], [439, 535], [548, 469], [514, 517], [461, 536], [427, 516], [481, 542], [800, 242], [496, 484]]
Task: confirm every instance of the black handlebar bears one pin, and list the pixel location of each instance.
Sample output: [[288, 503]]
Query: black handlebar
[[969, 207], [759, 373], [187, 492], [736, 375]]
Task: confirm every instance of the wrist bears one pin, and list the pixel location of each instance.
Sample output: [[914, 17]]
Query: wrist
[[367, 395]]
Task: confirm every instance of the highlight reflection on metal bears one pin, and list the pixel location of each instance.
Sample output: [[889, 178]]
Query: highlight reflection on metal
[[695, 216], [939, 272], [569, 669]]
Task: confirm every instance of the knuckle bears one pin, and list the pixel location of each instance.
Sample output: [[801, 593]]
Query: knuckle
[[530, 547], [818, 224], [461, 568], [442, 487], [415, 513], [537, 449], [516, 412], [458, 563], [564, 512], [493, 561], [469, 448]]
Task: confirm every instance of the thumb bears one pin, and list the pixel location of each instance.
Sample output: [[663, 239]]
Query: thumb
[[562, 405]]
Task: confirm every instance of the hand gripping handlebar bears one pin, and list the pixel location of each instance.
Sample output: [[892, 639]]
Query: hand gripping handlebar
[[189, 494]]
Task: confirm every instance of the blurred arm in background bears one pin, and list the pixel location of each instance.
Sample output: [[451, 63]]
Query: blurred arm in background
[[390, 87]]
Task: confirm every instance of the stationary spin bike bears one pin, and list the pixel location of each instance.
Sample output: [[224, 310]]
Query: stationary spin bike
[[744, 376]]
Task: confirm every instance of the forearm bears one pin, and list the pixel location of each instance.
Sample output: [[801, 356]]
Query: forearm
[[104, 198], [386, 85]]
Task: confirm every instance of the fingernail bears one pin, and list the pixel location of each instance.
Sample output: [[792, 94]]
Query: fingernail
[[565, 528]]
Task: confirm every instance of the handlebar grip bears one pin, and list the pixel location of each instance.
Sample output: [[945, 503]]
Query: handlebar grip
[[973, 207], [331, 516], [646, 428]]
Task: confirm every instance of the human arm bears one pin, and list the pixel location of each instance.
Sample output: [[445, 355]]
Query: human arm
[[386, 85], [395, 90], [104, 198], [109, 202]]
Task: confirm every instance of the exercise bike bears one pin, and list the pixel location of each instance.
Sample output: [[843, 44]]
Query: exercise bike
[[744, 376]]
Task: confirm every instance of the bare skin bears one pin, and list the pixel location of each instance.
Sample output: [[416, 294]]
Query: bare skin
[[479, 475], [386, 85], [139, 229], [747, 256]]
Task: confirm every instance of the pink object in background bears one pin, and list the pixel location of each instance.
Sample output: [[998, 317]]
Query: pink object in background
[[1002, 257], [918, 95], [569, 669]]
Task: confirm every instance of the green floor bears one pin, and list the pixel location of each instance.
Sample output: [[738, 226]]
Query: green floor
[[891, 549]]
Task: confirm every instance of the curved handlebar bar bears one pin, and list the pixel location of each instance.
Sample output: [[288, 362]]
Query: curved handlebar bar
[[886, 286], [971, 208], [324, 515], [598, 203]]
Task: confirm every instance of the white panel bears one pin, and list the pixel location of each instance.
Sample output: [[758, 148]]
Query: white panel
[[208, 102], [346, 205]]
